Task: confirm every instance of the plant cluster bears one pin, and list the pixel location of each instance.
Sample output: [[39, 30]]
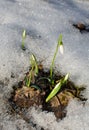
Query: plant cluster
[[34, 71]]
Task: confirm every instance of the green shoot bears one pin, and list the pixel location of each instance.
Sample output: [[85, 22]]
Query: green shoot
[[23, 38], [57, 88], [33, 72], [60, 44], [34, 64], [28, 79]]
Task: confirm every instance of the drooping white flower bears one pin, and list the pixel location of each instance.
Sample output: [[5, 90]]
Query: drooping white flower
[[61, 49], [60, 43], [24, 34]]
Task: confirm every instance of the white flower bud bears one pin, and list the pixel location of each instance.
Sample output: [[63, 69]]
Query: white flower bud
[[61, 49], [24, 34]]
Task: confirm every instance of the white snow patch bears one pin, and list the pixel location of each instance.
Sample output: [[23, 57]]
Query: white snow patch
[[77, 118]]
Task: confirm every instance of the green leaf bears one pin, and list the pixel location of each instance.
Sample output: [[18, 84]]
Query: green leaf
[[59, 45], [65, 78], [60, 40], [44, 78], [28, 79], [23, 38], [34, 64], [36, 87], [57, 88]]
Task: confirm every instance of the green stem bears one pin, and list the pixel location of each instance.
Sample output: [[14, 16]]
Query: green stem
[[23, 43], [52, 64]]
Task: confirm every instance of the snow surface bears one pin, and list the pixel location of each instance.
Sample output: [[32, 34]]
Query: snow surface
[[44, 20]]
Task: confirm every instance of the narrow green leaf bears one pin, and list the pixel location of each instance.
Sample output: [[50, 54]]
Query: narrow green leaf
[[54, 91], [66, 78], [28, 79], [57, 88], [36, 87], [59, 45], [60, 40], [23, 38], [34, 63], [44, 78]]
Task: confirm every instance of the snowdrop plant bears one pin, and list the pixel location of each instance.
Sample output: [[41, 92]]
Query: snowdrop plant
[[58, 86], [59, 46]]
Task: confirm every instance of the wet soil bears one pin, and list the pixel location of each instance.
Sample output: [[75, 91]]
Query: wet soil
[[24, 97], [81, 27]]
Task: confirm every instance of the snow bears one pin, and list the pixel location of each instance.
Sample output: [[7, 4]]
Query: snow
[[43, 21], [76, 118]]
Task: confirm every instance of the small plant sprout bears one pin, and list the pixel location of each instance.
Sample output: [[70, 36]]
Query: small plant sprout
[[33, 72], [23, 38], [28, 79], [34, 64], [57, 87], [59, 45]]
